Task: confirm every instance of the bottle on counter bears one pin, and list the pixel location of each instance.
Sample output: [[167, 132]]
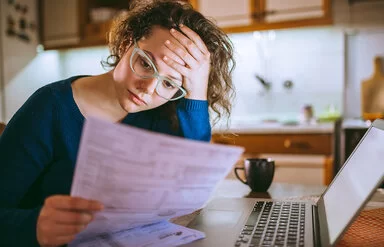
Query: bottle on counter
[[307, 115]]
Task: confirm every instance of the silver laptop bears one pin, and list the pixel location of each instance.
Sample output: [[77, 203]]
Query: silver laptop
[[252, 222]]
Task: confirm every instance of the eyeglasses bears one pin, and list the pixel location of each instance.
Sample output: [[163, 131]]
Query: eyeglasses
[[142, 65]]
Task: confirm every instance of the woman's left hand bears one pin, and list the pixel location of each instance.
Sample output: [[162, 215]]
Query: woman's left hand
[[191, 49]]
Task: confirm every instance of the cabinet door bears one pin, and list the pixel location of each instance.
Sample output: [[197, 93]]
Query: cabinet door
[[226, 13], [60, 23], [287, 10]]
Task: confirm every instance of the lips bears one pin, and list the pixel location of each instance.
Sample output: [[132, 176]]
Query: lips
[[135, 99]]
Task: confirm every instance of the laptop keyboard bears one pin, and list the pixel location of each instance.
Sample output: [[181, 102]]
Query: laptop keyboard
[[274, 224]]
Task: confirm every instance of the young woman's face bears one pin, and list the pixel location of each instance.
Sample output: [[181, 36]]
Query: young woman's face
[[136, 93]]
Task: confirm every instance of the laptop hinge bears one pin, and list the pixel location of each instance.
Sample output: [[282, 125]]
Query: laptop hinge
[[316, 226]]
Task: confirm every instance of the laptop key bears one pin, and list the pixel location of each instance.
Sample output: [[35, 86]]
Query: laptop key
[[252, 219], [269, 224]]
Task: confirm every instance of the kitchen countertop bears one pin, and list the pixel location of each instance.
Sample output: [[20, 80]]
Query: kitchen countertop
[[276, 128], [351, 123]]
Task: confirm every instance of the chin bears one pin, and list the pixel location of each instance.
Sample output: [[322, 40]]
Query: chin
[[132, 108]]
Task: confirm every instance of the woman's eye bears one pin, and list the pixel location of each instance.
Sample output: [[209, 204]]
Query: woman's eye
[[168, 85], [145, 64]]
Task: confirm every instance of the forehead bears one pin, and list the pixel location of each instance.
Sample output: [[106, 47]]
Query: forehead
[[155, 44], [155, 41]]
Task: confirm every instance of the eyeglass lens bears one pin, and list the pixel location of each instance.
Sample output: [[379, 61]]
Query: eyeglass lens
[[166, 88]]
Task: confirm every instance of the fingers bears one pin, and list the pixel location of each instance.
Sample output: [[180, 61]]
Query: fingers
[[182, 53], [171, 54], [50, 233], [57, 241], [191, 54], [192, 42], [68, 217], [176, 66], [73, 203], [57, 230], [195, 38], [68, 230], [188, 47], [57, 227], [62, 217]]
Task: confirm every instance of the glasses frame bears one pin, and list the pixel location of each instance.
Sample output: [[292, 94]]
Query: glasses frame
[[160, 78]]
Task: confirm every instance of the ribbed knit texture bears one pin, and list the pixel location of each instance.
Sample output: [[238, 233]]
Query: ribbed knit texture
[[39, 146]]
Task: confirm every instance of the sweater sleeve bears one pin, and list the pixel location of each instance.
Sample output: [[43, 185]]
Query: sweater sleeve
[[26, 146], [194, 119]]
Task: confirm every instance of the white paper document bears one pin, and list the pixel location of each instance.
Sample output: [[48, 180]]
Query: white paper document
[[144, 177], [161, 234]]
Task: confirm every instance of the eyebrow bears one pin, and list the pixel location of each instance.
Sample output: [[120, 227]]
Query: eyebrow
[[155, 62], [151, 55]]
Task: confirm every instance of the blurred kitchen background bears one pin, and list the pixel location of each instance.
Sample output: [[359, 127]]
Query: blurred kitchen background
[[300, 67]]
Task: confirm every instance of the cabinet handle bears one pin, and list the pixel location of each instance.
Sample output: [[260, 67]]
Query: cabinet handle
[[287, 143], [292, 144], [223, 142], [263, 14]]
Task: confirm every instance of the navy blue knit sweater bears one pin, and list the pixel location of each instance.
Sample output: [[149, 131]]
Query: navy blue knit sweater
[[39, 146]]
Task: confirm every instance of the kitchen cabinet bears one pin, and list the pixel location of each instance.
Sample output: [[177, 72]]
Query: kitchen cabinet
[[253, 15], [60, 23], [72, 23], [97, 19], [293, 10], [305, 158], [227, 13], [77, 23]]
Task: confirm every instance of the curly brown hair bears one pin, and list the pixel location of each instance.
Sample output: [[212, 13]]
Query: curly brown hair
[[138, 23]]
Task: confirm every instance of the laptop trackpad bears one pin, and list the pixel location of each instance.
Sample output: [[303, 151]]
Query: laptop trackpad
[[222, 218]]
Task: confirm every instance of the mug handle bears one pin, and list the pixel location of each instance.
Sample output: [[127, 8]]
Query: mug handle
[[237, 175]]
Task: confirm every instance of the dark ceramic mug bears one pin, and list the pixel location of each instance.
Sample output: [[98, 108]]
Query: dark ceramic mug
[[258, 173]]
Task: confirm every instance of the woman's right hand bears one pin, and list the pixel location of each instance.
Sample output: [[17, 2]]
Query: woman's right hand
[[62, 217]]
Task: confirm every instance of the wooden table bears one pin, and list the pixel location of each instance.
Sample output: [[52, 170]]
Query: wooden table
[[234, 188], [355, 236]]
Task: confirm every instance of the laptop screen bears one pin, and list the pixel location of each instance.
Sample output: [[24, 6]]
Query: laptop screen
[[352, 186]]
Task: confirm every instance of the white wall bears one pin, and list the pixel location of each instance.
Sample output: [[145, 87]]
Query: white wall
[[42, 69], [311, 58], [83, 61], [17, 55], [47, 67], [326, 64]]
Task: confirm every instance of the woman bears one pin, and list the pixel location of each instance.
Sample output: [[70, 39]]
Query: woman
[[169, 65]]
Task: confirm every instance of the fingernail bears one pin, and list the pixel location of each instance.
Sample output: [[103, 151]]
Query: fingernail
[[87, 217], [181, 25], [167, 42], [172, 30], [165, 58]]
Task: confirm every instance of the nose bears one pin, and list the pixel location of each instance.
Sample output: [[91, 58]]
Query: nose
[[147, 86]]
